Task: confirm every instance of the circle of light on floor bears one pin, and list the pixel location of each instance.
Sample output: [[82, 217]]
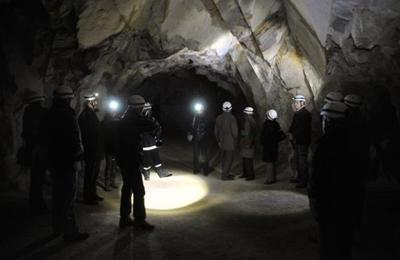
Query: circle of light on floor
[[174, 192]]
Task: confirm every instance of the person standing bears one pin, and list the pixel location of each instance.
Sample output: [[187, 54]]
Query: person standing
[[109, 128], [247, 143], [200, 133], [150, 142], [65, 150], [92, 140], [334, 190], [300, 136], [226, 133], [131, 126], [33, 119], [271, 135]]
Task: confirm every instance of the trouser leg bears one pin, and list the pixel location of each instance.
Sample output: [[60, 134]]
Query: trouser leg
[[139, 211], [248, 168], [108, 171], [302, 163], [227, 159], [95, 175], [270, 172], [158, 166], [204, 154], [38, 174], [126, 193], [113, 172], [87, 181], [64, 187], [244, 168], [196, 156]]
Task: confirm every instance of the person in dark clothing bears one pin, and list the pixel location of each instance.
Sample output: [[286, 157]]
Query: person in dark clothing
[[33, 119], [300, 136], [271, 135], [150, 147], [335, 188], [200, 137], [65, 150], [226, 133], [109, 128], [359, 145], [92, 140], [130, 128], [247, 144]]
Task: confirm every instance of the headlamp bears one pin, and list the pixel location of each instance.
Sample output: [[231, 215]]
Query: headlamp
[[113, 105], [198, 107]]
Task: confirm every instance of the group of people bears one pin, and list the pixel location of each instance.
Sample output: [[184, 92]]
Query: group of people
[[58, 140], [230, 136]]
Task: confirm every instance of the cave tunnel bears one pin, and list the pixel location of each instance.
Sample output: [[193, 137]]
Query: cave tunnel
[[263, 54]]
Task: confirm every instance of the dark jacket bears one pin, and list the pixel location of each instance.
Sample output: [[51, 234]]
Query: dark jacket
[[32, 133], [92, 136], [149, 139], [110, 131], [301, 127], [200, 127], [130, 129], [63, 137], [226, 131], [271, 135], [335, 190], [247, 137]]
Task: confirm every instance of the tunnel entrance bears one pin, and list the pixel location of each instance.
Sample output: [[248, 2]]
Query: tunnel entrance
[[173, 96]]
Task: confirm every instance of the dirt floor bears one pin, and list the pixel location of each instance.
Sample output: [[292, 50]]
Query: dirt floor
[[198, 217]]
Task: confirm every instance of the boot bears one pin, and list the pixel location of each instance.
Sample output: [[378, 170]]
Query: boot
[[125, 222], [162, 173], [143, 225]]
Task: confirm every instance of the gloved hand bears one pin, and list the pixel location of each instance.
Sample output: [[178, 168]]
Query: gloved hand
[[189, 137]]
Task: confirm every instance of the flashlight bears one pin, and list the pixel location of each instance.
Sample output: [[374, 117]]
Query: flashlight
[[113, 105], [96, 94], [198, 107]]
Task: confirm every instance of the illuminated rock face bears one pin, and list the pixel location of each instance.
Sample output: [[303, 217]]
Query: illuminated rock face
[[271, 49]]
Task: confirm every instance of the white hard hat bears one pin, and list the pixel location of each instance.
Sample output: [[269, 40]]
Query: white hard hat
[[335, 110], [299, 98], [248, 110], [63, 92], [334, 96], [272, 114], [34, 97], [147, 106], [227, 106], [353, 100], [89, 97], [136, 101]]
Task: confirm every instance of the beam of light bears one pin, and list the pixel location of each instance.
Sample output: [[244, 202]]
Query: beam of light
[[174, 192]]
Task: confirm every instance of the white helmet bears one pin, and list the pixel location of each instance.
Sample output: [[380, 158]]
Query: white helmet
[[89, 97], [334, 110], [248, 110], [353, 100], [272, 114], [299, 98], [227, 106], [63, 92], [334, 96]]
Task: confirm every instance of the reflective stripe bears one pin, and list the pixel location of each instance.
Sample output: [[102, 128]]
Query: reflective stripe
[[146, 168], [158, 165], [149, 148]]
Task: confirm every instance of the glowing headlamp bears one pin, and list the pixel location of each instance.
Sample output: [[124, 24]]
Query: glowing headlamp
[[198, 107], [113, 105]]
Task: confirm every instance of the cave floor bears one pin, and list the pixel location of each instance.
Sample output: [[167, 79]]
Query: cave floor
[[233, 220]]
